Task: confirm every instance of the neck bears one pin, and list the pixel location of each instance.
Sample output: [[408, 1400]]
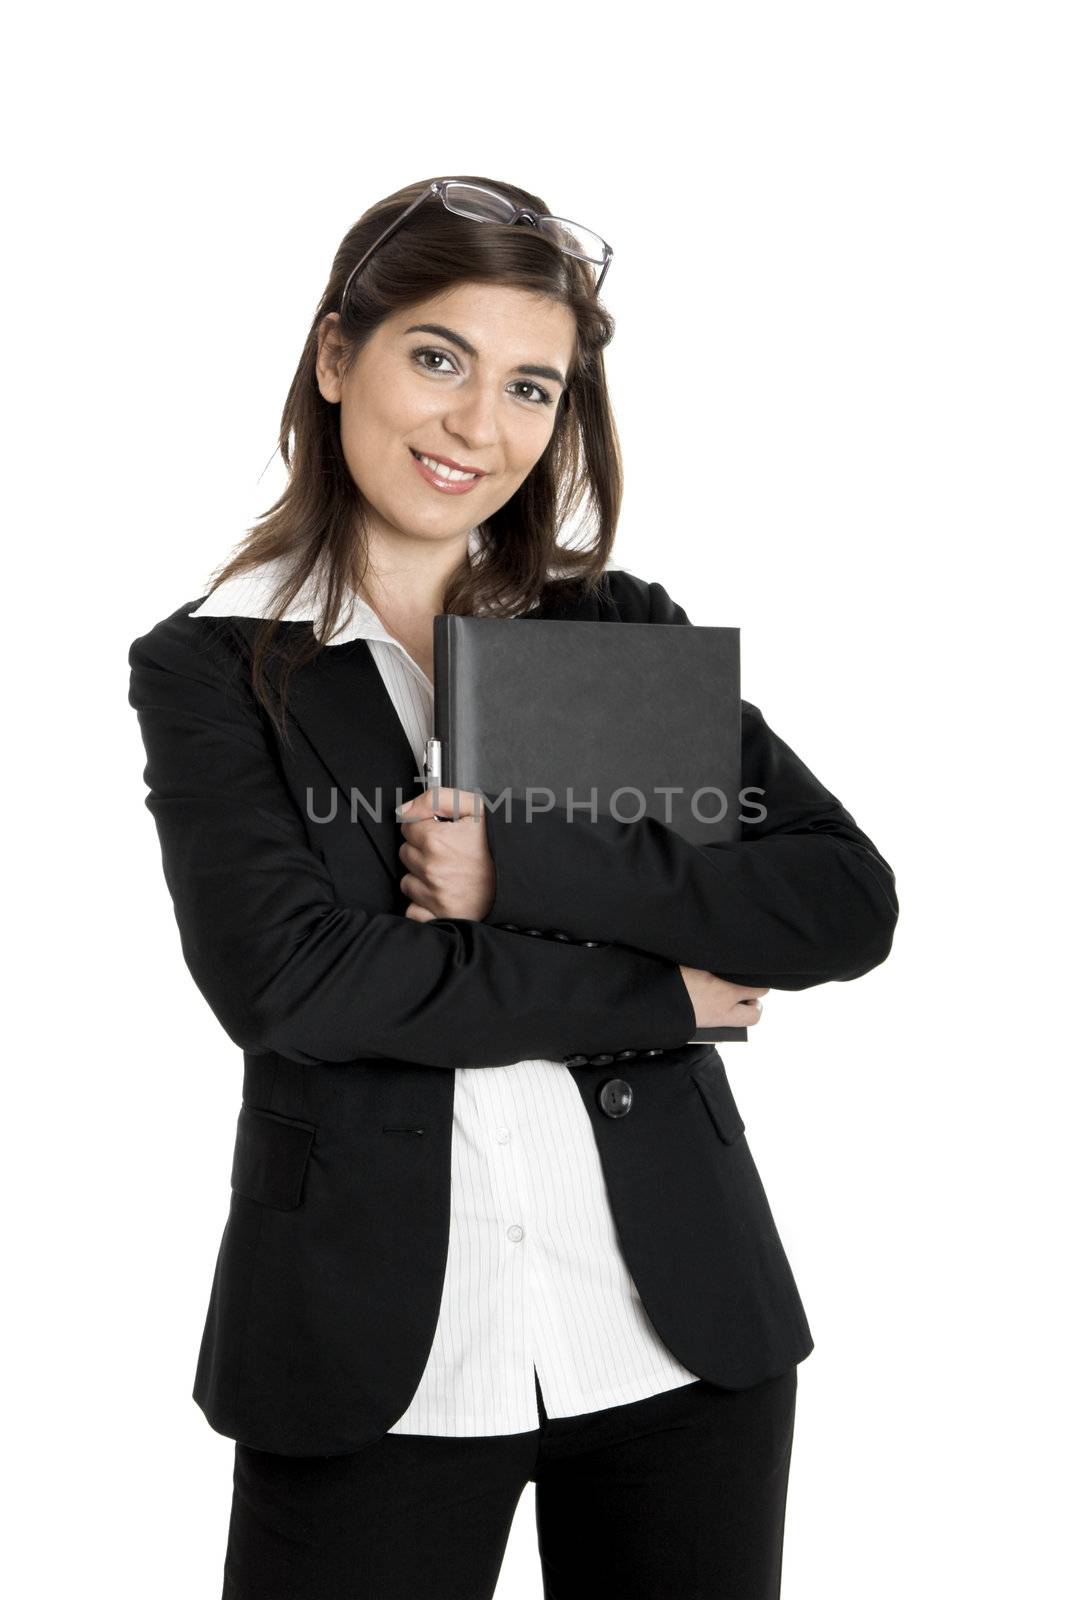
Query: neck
[[408, 585]]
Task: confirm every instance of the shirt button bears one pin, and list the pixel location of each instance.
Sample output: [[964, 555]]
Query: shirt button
[[515, 1232], [502, 1135]]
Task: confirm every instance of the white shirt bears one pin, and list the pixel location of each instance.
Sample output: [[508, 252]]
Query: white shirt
[[535, 1275]]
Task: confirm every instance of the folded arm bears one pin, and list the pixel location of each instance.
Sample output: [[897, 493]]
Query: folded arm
[[284, 966]]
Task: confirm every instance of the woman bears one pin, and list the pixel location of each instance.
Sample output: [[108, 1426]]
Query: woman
[[460, 1255]]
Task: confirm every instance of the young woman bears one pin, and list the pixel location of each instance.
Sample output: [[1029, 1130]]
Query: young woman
[[493, 1220]]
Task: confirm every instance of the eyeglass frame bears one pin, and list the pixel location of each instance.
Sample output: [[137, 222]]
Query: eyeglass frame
[[521, 214]]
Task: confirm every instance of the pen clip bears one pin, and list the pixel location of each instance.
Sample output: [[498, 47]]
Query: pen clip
[[431, 763]]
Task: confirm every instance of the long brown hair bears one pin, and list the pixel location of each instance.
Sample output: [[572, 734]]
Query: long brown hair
[[317, 522]]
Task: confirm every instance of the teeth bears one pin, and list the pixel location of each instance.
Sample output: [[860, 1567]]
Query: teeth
[[445, 472]]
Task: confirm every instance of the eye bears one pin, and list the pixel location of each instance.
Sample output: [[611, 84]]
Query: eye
[[545, 397], [426, 351], [522, 383]]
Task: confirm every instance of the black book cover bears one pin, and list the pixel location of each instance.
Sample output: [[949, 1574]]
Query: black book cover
[[642, 717]]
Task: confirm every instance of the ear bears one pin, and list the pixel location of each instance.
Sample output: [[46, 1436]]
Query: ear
[[326, 364]]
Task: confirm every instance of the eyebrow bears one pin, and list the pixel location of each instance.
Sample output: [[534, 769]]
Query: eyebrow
[[464, 344]]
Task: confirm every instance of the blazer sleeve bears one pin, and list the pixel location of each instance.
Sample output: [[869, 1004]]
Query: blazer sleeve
[[286, 967], [803, 897]]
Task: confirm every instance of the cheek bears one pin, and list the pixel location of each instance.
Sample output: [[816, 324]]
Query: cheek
[[528, 449], [374, 438], [383, 413]]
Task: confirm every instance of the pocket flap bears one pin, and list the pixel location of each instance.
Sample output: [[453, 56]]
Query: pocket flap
[[708, 1074], [270, 1157]]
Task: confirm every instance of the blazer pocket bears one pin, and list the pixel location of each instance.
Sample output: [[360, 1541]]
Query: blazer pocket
[[708, 1074], [270, 1157]]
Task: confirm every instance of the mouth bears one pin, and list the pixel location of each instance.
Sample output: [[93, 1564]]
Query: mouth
[[446, 475]]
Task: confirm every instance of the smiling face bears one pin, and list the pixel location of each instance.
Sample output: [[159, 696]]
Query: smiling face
[[472, 376]]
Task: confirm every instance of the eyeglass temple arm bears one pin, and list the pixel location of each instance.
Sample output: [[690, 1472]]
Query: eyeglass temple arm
[[389, 231], [606, 263]]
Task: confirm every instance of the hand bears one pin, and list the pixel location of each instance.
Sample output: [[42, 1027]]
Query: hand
[[720, 1004], [450, 868]]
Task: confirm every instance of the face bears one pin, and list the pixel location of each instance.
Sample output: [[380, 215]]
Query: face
[[481, 390]]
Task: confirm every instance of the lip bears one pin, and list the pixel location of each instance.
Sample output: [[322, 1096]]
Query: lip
[[440, 484], [446, 461]]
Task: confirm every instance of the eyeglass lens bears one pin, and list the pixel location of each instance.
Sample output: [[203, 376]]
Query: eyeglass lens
[[484, 205]]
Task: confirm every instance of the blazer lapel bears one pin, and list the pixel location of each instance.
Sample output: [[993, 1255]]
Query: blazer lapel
[[344, 710]]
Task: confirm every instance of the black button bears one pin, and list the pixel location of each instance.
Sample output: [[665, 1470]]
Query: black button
[[557, 933], [615, 1097], [534, 931], [602, 1060], [576, 1061], [591, 944], [624, 1055], [511, 927], [651, 1052]]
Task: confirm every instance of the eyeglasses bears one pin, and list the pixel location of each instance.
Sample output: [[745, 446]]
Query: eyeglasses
[[478, 204]]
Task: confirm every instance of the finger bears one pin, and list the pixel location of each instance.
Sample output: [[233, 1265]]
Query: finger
[[445, 802], [427, 841], [418, 808], [414, 820], [414, 888], [419, 914], [449, 802], [420, 831], [413, 857], [419, 825]]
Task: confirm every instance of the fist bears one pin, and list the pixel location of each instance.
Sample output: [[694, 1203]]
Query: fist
[[450, 871]]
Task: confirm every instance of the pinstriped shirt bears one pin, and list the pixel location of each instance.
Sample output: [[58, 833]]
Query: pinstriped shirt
[[535, 1277]]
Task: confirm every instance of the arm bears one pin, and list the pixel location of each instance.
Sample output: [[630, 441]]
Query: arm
[[286, 967], [803, 897]]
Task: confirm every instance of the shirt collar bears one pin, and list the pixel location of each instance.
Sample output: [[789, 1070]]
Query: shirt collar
[[249, 595]]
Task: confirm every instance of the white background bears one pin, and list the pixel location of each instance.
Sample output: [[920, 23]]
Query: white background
[[838, 375]]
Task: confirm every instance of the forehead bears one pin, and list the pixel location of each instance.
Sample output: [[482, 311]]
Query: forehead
[[501, 322]]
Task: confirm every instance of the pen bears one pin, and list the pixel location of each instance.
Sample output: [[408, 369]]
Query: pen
[[431, 769]]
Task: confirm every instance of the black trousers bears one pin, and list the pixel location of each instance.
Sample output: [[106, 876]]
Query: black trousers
[[675, 1497]]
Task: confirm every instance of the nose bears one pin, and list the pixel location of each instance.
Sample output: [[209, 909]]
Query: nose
[[472, 417]]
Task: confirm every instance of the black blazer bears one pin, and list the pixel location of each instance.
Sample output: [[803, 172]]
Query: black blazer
[[352, 1016]]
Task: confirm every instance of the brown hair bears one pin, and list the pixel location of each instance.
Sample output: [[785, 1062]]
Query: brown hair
[[318, 517]]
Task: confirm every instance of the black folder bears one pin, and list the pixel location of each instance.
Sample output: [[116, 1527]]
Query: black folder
[[616, 711]]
